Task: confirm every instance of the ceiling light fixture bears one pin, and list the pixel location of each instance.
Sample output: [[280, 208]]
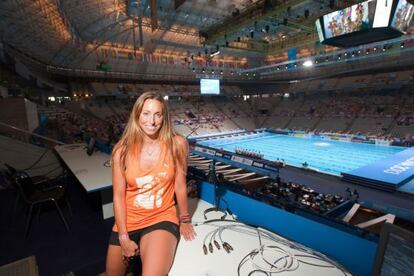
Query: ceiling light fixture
[[308, 63], [214, 53]]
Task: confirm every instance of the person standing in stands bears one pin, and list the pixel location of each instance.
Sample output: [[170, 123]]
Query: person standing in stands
[[149, 165]]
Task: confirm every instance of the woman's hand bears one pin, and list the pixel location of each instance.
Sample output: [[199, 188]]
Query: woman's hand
[[187, 230], [129, 249]]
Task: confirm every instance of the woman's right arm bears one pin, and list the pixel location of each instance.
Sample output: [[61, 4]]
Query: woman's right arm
[[129, 247]]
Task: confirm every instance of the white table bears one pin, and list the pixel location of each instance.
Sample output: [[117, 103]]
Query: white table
[[191, 260], [93, 172]]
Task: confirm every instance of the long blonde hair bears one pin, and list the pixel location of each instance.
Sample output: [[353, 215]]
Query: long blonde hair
[[133, 134]]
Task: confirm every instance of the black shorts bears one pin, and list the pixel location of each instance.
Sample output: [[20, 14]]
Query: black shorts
[[137, 234]]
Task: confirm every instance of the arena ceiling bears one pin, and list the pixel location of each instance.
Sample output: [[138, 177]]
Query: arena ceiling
[[240, 27], [65, 32]]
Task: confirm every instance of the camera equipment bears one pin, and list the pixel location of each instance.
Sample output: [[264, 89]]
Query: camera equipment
[[91, 146], [212, 178]]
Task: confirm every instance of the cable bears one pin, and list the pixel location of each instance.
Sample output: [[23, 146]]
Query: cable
[[260, 271], [210, 246], [108, 163], [37, 161], [215, 220], [49, 172], [266, 259], [313, 257], [262, 249], [43, 166]]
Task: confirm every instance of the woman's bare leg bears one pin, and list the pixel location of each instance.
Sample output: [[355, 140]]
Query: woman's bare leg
[[115, 265], [157, 249]]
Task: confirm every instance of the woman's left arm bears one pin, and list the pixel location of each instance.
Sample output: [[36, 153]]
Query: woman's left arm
[[180, 186]]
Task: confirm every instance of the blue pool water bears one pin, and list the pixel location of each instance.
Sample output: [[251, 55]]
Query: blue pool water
[[328, 156]]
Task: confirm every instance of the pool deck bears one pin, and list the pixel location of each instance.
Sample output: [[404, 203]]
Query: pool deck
[[324, 183], [392, 173], [408, 187]]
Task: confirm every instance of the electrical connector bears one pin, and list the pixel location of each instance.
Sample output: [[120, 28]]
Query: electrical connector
[[210, 247]]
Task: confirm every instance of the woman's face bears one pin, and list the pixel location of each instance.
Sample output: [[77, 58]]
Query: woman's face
[[151, 118]]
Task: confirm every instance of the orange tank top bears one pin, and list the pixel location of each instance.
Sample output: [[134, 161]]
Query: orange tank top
[[150, 193]]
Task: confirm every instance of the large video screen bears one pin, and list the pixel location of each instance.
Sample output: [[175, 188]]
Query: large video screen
[[366, 22], [351, 19], [210, 86], [402, 16], [319, 30], [382, 13]]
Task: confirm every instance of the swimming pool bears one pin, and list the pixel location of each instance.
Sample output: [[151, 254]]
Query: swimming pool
[[329, 156]]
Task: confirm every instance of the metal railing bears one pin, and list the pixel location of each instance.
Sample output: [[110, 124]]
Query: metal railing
[[27, 136]]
